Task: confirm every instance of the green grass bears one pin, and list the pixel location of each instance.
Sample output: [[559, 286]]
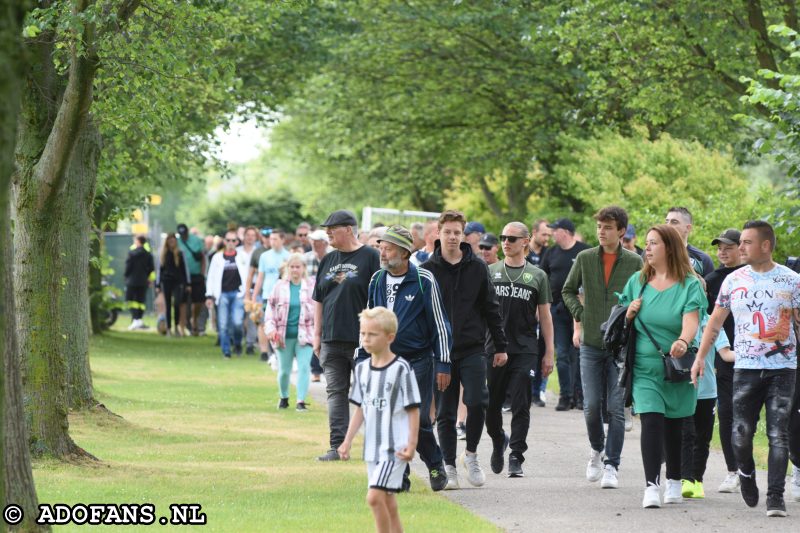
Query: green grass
[[198, 429]]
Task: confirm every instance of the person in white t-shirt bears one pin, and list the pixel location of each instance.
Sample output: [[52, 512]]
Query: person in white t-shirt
[[764, 298], [387, 401]]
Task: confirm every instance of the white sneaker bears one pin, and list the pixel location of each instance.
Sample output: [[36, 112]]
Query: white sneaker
[[731, 483], [452, 478], [475, 473], [652, 497], [134, 325], [543, 396], [610, 480], [628, 419], [672, 494], [594, 470], [795, 485]]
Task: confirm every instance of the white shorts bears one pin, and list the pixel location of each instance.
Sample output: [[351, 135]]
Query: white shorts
[[386, 475]]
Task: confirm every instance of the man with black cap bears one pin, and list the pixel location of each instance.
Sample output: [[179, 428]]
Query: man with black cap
[[193, 250], [340, 294], [473, 232], [557, 263], [488, 246], [730, 260], [423, 331], [629, 241]]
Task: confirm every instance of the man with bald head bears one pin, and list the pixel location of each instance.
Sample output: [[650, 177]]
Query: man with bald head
[[524, 295]]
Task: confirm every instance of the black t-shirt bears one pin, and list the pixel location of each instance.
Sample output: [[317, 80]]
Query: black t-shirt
[[534, 258], [557, 263], [520, 290], [230, 273], [341, 288], [713, 286]]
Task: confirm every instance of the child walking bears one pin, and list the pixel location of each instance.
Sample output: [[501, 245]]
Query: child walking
[[387, 401]]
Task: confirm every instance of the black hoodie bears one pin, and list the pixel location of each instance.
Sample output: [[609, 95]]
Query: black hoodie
[[713, 285], [470, 301]]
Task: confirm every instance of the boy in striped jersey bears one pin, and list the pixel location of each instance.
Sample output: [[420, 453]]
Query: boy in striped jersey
[[387, 400]]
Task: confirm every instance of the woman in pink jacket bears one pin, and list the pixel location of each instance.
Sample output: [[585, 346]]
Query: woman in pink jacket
[[289, 324]]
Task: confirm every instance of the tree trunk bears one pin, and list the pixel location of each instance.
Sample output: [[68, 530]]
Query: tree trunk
[[77, 200], [99, 215], [15, 463]]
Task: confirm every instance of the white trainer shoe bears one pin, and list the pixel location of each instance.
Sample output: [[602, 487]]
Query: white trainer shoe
[[795, 485], [594, 470], [452, 478], [609, 480], [134, 324], [730, 484], [652, 497], [475, 474], [628, 419], [672, 494]]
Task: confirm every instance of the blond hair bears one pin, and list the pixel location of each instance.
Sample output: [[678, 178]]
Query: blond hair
[[295, 257], [384, 317]]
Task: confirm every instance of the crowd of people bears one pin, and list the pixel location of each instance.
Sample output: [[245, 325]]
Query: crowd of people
[[456, 334]]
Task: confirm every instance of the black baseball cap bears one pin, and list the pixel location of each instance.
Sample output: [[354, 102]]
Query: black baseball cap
[[342, 217], [488, 239], [563, 223], [729, 236]]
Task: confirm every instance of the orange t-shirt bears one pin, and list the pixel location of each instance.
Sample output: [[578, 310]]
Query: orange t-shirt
[[608, 264]]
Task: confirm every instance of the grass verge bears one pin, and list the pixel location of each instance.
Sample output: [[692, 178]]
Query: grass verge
[[199, 429]]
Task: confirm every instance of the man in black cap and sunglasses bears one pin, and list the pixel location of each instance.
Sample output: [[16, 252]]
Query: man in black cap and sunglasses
[[557, 263], [340, 294]]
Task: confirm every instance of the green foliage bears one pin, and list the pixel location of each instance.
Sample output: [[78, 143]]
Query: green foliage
[[276, 209]]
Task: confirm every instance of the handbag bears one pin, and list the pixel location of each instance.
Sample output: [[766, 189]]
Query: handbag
[[676, 369]]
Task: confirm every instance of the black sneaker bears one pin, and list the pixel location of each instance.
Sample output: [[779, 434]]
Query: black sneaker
[[330, 455], [250, 350], [498, 456], [538, 402], [749, 488], [563, 404], [237, 349], [301, 407], [438, 478], [406, 486], [514, 467], [578, 405], [775, 505], [506, 407], [284, 403], [264, 356]]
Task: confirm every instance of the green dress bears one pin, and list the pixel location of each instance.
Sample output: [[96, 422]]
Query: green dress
[[663, 312]]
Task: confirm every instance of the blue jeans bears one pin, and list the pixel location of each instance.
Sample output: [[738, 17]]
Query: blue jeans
[[599, 375], [230, 315], [569, 372], [428, 449]]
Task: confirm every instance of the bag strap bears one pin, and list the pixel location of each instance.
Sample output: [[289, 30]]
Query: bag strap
[[647, 331]]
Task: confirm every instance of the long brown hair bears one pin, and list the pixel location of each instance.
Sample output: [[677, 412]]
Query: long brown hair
[[176, 252], [678, 265]]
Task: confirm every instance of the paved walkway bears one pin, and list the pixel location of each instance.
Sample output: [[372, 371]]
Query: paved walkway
[[555, 496]]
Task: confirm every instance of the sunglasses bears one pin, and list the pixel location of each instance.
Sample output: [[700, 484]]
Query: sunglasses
[[231, 240], [302, 235], [510, 238], [484, 247]]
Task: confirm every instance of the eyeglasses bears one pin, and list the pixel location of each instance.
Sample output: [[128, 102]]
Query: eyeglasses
[[484, 247], [231, 240], [301, 235], [511, 238]]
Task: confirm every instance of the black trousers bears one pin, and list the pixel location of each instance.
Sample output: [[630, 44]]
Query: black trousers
[[660, 435], [136, 295], [173, 295], [469, 371], [774, 390], [697, 432], [725, 411], [513, 380]]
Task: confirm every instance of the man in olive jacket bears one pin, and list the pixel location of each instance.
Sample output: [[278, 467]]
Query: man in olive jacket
[[600, 272]]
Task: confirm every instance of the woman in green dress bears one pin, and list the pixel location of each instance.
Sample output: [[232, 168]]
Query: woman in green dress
[[670, 307]]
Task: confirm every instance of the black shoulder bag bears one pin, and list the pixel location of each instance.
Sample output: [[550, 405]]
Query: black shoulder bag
[[676, 369]]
